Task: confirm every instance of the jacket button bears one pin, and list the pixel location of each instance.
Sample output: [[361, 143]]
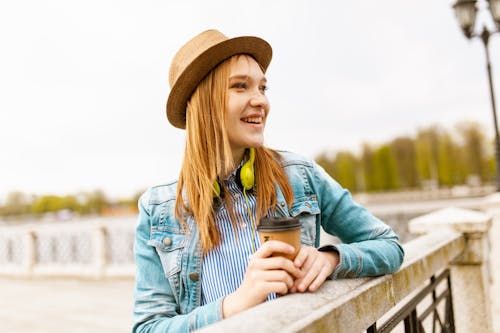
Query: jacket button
[[194, 276], [167, 241]]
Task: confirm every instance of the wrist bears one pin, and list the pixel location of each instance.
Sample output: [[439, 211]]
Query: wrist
[[334, 254], [333, 258], [230, 306], [226, 306]]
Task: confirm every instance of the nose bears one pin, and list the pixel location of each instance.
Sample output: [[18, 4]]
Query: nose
[[259, 100]]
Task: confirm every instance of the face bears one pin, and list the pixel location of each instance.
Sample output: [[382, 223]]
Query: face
[[247, 106]]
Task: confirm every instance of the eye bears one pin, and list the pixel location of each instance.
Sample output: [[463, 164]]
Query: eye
[[239, 85], [263, 88]]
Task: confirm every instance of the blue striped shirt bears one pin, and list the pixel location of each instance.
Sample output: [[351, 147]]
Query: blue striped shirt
[[224, 267]]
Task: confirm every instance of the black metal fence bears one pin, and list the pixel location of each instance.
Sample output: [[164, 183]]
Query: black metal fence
[[415, 312]]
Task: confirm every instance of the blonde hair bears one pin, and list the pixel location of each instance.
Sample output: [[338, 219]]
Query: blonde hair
[[208, 156]]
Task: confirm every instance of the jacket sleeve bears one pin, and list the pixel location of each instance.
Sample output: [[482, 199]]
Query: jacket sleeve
[[369, 247], [155, 306]]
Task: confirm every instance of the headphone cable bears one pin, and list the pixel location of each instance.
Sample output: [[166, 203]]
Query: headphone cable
[[251, 220]]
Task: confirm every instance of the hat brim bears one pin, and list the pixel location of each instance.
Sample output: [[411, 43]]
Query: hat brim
[[187, 82]]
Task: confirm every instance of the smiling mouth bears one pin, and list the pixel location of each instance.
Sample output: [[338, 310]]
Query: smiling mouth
[[253, 120]]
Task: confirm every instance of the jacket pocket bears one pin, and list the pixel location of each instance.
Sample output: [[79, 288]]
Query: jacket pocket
[[306, 211], [169, 247]]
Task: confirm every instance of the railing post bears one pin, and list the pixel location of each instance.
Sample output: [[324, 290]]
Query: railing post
[[99, 249], [491, 205], [469, 271], [29, 257]]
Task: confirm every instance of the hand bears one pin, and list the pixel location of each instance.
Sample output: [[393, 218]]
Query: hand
[[316, 266], [264, 275]]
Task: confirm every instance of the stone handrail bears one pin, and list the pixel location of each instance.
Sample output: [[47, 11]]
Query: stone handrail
[[353, 305], [349, 305], [94, 249]]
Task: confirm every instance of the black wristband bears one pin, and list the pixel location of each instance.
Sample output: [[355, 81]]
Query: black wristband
[[329, 248]]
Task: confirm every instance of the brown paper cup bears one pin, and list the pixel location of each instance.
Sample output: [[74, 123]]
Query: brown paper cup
[[282, 229]]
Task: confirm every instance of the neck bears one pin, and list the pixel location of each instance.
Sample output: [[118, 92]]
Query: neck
[[238, 156]]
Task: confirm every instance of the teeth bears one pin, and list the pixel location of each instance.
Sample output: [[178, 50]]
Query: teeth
[[256, 120]]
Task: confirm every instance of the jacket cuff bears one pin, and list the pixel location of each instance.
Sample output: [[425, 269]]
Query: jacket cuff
[[205, 315], [350, 262]]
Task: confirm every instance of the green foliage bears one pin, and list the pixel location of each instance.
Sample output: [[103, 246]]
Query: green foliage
[[386, 175], [404, 152], [426, 145], [433, 156], [17, 203], [474, 147], [368, 168], [345, 166]]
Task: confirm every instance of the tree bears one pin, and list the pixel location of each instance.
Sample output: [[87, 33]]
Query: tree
[[473, 141], [368, 167], [16, 203], [345, 170], [426, 146], [96, 201], [404, 152], [327, 163], [386, 173]]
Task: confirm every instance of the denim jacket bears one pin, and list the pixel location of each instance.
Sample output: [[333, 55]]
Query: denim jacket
[[168, 259]]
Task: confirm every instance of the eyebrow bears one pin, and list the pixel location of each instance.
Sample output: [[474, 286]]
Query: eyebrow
[[244, 77]]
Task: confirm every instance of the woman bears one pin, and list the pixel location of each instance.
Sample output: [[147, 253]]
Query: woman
[[197, 254]]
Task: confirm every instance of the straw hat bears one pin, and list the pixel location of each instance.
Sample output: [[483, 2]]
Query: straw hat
[[198, 57]]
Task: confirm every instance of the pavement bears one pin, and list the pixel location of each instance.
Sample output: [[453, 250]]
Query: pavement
[[76, 306]]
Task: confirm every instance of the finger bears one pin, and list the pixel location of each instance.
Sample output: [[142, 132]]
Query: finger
[[278, 276], [302, 256], [276, 287], [306, 267], [275, 263], [319, 280], [267, 249], [311, 274]]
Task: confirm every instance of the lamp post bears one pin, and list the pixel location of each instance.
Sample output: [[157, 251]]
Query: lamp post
[[466, 11]]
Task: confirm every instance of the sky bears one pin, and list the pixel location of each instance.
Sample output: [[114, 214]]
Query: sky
[[83, 84]]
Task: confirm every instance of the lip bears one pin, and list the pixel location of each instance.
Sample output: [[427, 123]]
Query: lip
[[254, 125], [254, 115]]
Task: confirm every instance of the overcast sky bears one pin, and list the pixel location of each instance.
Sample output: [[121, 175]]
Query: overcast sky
[[83, 84]]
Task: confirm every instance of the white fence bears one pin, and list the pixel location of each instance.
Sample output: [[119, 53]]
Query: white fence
[[98, 248]]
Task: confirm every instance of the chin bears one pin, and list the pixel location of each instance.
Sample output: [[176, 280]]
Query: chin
[[255, 144]]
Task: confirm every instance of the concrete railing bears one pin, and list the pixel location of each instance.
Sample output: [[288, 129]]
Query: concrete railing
[[452, 238], [85, 249]]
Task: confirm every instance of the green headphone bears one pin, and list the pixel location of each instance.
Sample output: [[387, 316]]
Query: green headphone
[[245, 177]]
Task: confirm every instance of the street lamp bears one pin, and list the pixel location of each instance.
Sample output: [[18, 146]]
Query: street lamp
[[466, 11]]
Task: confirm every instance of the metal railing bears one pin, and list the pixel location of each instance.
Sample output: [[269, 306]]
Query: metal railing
[[408, 313]]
